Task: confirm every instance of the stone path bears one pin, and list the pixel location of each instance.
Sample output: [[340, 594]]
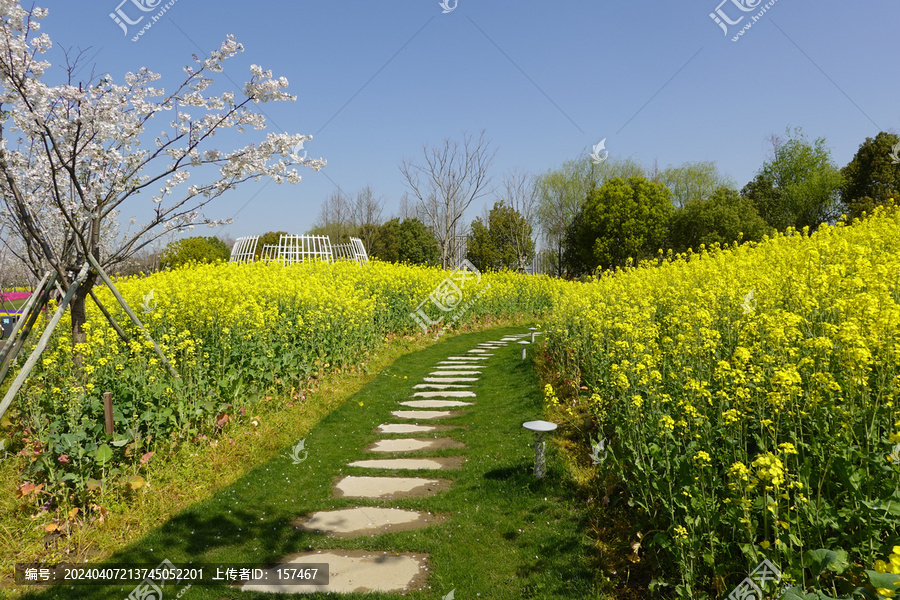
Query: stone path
[[364, 571]]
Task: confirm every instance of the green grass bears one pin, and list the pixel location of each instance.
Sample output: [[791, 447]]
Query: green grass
[[12, 305], [509, 535]]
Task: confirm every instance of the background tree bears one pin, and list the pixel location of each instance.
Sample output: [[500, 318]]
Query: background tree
[[76, 152], [623, 219], [724, 217], [480, 249], [342, 217], [409, 241], [14, 271], [366, 215], [561, 194], [504, 242], [692, 181], [451, 177], [872, 177], [269, 238], [799, 187], [518, 192], [194, 249], [335, 218]]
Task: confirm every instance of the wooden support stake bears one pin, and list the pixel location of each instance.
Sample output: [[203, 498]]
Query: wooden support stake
[[26, 310], [29, 318], [42, 343], [130, 313], [108, 413], [109, 318]]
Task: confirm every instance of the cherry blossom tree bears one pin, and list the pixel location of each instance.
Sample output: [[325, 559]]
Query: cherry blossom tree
[[73, 153]]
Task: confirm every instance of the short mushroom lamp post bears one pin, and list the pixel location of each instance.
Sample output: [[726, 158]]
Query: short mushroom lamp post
[[539, 428], [524, 348], [533, 331]]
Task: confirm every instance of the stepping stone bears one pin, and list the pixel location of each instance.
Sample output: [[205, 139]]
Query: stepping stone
[[435, 403], [449, 379], [478, 351], [389, 487], [408, 428], [350, 571], [365, 520], [456, 365], [470, 360], [446, 462], [443, 373], [435, 386], [466, 358], [413, 444], [445, 394], [424, 414]]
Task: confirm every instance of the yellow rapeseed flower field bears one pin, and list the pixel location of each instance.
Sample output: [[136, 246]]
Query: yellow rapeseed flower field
[[750, 397], [234, 334]]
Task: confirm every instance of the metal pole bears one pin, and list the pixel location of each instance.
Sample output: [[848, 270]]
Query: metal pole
[[131, 315], [538, 454], [42, 343]]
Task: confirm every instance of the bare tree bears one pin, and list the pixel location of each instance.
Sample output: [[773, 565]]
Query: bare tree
[[342, 217], [335, 218], [366, 215], [407, 210], [445, 185], [13, 270], [518, 192]]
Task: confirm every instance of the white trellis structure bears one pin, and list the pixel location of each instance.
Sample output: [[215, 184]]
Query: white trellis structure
[[355, 250], [244, 249], [299, 248], [269, 252], [304, 248]]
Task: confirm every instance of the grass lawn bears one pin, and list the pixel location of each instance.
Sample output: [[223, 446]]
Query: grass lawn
[[508, 535]]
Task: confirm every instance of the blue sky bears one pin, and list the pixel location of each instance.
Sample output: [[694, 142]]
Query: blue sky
[[658, 79]]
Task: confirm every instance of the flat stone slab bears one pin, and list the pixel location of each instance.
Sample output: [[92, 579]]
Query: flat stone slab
[[445, 394], [413, 444], [389, 487], [456, 365], [444, 462], [424, 414], [409, 428], [446, 364], [467, 358], [351, 571], [449, 379], [435, 403], [444, 373], [365, 520], [479, 351], [438, 386]]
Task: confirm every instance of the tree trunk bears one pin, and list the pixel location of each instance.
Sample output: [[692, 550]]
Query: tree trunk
[[79, 316]]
